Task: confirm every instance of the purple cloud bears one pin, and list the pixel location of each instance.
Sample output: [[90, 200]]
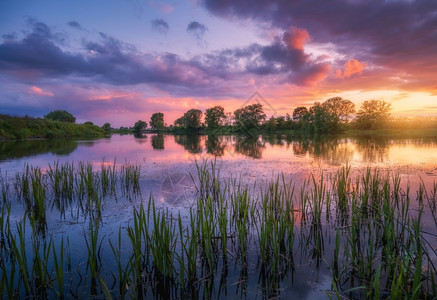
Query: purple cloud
[[197, 29], [40, 55], [400, 35], [159, 25], [74, 24]]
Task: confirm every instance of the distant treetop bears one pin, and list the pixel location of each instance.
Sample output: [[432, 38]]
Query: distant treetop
[[61, 115]]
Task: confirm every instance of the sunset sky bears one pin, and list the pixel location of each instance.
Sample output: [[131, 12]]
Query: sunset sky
[[120, 61]]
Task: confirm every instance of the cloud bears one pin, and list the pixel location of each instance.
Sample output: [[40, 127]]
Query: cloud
[[351, 67], [400, 36], [107, 60], [296, 37], [161, 6], [34, 90], [159, 25], [74, 24], [38, 58], [197, 29]]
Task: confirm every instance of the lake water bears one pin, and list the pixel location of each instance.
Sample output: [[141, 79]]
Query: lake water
[[166, 164], [247, 156]]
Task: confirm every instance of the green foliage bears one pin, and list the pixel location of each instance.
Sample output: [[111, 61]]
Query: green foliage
[[140, 125], [61, 115], [340, 109], [299, 112], [215, 116], [26, 127], [106, 127], [157, 120], [325, 117], [373, 114], [191, 120], [249, 116], [88, 123]]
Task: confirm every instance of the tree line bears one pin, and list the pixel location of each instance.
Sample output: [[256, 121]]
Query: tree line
[[329, 116], [332, 115]]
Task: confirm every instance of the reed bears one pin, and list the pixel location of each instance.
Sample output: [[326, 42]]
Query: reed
[[138, 235], [94, 249], [18, 248], [162, 242], [58, 259], [363, 226], [124, 269]]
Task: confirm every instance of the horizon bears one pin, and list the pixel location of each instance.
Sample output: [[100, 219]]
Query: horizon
[[120, 62]]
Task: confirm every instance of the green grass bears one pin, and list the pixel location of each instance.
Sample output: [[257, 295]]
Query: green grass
[[12, 128]]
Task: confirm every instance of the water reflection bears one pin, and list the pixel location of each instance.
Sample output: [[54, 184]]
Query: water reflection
[[18, 149], [324, 148], [140, 138], [158, 141], [373, 149], [251, 146], [190, 142], [331, 151], [216, 145]]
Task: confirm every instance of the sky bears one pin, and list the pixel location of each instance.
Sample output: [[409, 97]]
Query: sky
[[119, 61]]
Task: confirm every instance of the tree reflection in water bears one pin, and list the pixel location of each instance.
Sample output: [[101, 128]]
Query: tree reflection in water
[[158, 141], [251, 146], [191, 143], [215, 145], [24, 148]]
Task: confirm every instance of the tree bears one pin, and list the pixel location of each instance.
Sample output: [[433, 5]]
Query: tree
[[140, 125], [249, 116], [215, 116], [299, 112], [179, 122], [321, 120], [340, 109], [317, 119], [61, 115], [106, 127], [373, 114], [89, 123], [192, 119], [157, 120]]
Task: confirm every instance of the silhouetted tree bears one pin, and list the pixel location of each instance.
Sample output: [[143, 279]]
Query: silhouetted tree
[[61, 115], [249, 116], [106, 127], [215, 116], [190, 120], [299, 112], [157, 120], [140, 125]]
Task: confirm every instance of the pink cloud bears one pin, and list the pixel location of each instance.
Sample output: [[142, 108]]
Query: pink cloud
[[351, 67], [161, 6], [296, 37], [34, 90]]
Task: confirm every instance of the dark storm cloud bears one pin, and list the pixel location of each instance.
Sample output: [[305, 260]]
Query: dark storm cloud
[[159, 25], [397, 34], [197, 29]]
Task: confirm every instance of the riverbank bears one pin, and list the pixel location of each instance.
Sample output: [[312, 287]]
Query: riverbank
[[16, 128]]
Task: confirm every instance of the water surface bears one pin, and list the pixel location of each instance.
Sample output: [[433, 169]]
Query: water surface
[[166, 163]]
